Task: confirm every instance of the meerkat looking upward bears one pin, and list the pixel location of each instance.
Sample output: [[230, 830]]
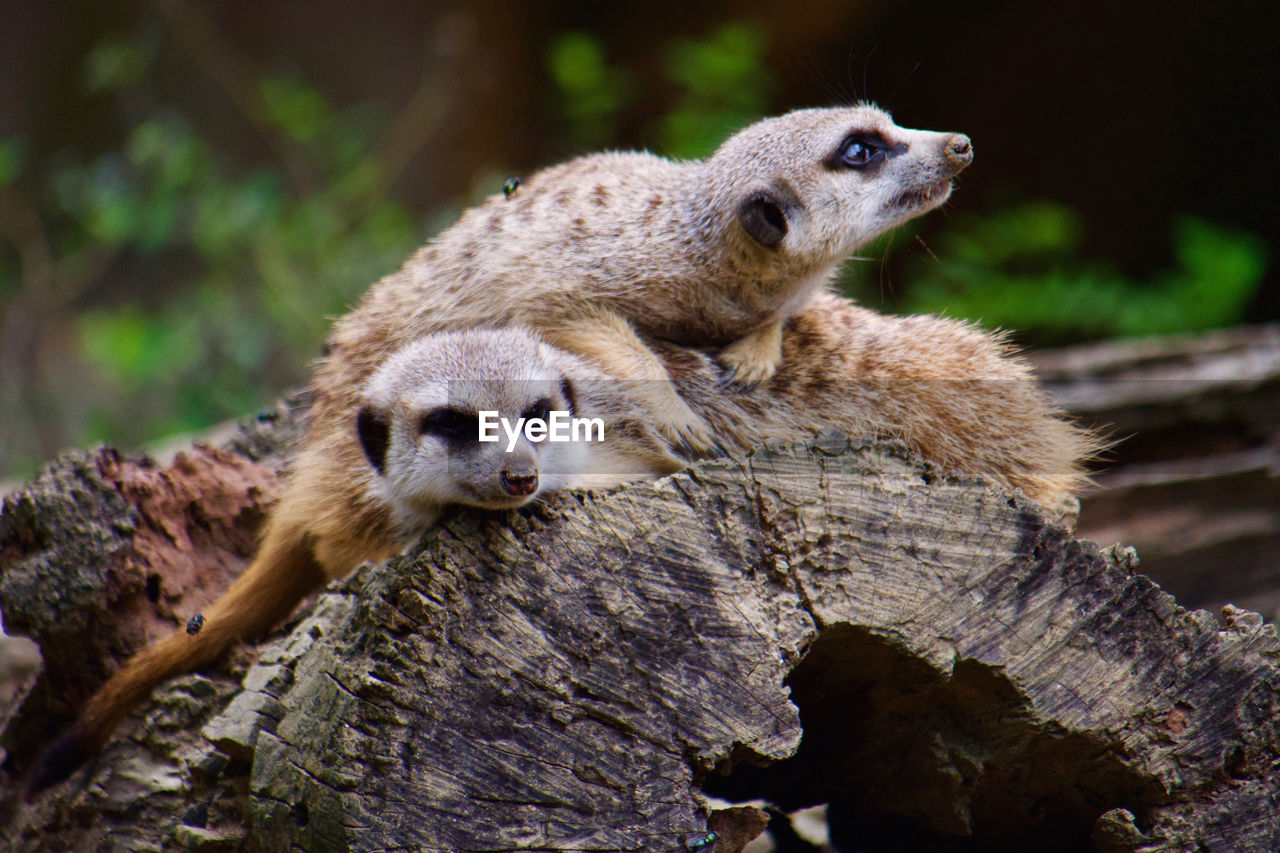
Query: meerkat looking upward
[[599, 251]]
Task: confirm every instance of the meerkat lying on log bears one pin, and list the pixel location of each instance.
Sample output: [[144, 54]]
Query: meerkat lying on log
[[591, 255], [417, 431], [952, 393]]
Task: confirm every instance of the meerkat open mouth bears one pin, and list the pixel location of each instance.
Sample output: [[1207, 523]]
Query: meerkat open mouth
[[922, 196]]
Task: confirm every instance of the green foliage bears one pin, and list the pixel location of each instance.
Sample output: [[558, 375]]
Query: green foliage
[[593, 93], [726, 86], [297, 109], [10, 159], [135, 348], [118, 62], [233, 273], [1020, 268], [722, 84]]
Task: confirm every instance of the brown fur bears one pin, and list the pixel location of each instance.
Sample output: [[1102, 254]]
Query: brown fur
[[254, 600], [953, 393]]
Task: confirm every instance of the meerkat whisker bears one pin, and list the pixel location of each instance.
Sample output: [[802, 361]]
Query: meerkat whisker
[[925, 246]]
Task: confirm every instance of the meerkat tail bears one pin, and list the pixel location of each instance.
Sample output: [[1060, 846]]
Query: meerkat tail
[[284, 571]]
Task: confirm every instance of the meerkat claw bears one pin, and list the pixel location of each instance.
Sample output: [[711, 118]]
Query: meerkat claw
[[744, 374], [691, 439], [730, 381]]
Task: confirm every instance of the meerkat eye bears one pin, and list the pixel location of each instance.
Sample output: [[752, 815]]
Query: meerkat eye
[[858, 152], [450, 424], [540, 410]]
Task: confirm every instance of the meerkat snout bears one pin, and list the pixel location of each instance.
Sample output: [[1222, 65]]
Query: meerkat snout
[[959, 152], [520, 484], [813, 186]]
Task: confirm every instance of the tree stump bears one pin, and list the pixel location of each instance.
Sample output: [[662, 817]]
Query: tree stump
[[833, 623]]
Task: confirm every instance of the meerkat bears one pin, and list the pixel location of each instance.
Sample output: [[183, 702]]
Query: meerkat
[[957, 396], [417, 427], [603, 256]]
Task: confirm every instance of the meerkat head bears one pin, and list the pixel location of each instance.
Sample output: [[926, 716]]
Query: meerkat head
[[813, 185], [420, 423]]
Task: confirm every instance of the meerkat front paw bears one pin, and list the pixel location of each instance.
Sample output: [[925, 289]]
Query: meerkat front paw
[[752, 359], [688, 434], [744, 374]]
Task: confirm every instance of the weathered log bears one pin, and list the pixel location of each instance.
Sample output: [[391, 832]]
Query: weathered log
[[836, 624], [1194, 480]]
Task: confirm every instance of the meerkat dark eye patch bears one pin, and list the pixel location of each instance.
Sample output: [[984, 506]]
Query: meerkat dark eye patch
[[763, 217], [570, 395], [453, 425], [374, 429], [859, 151]]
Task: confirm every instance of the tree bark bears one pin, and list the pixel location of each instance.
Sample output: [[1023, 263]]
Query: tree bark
[[1193, 481], [836, 623]]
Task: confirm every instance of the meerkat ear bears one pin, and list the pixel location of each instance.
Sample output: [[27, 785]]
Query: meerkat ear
[[374, 429], [764, 217]]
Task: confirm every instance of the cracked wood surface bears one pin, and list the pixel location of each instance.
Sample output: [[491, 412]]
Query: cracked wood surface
[[832, 624]]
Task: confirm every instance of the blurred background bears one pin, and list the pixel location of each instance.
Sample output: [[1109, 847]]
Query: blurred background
[[188, 191]]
